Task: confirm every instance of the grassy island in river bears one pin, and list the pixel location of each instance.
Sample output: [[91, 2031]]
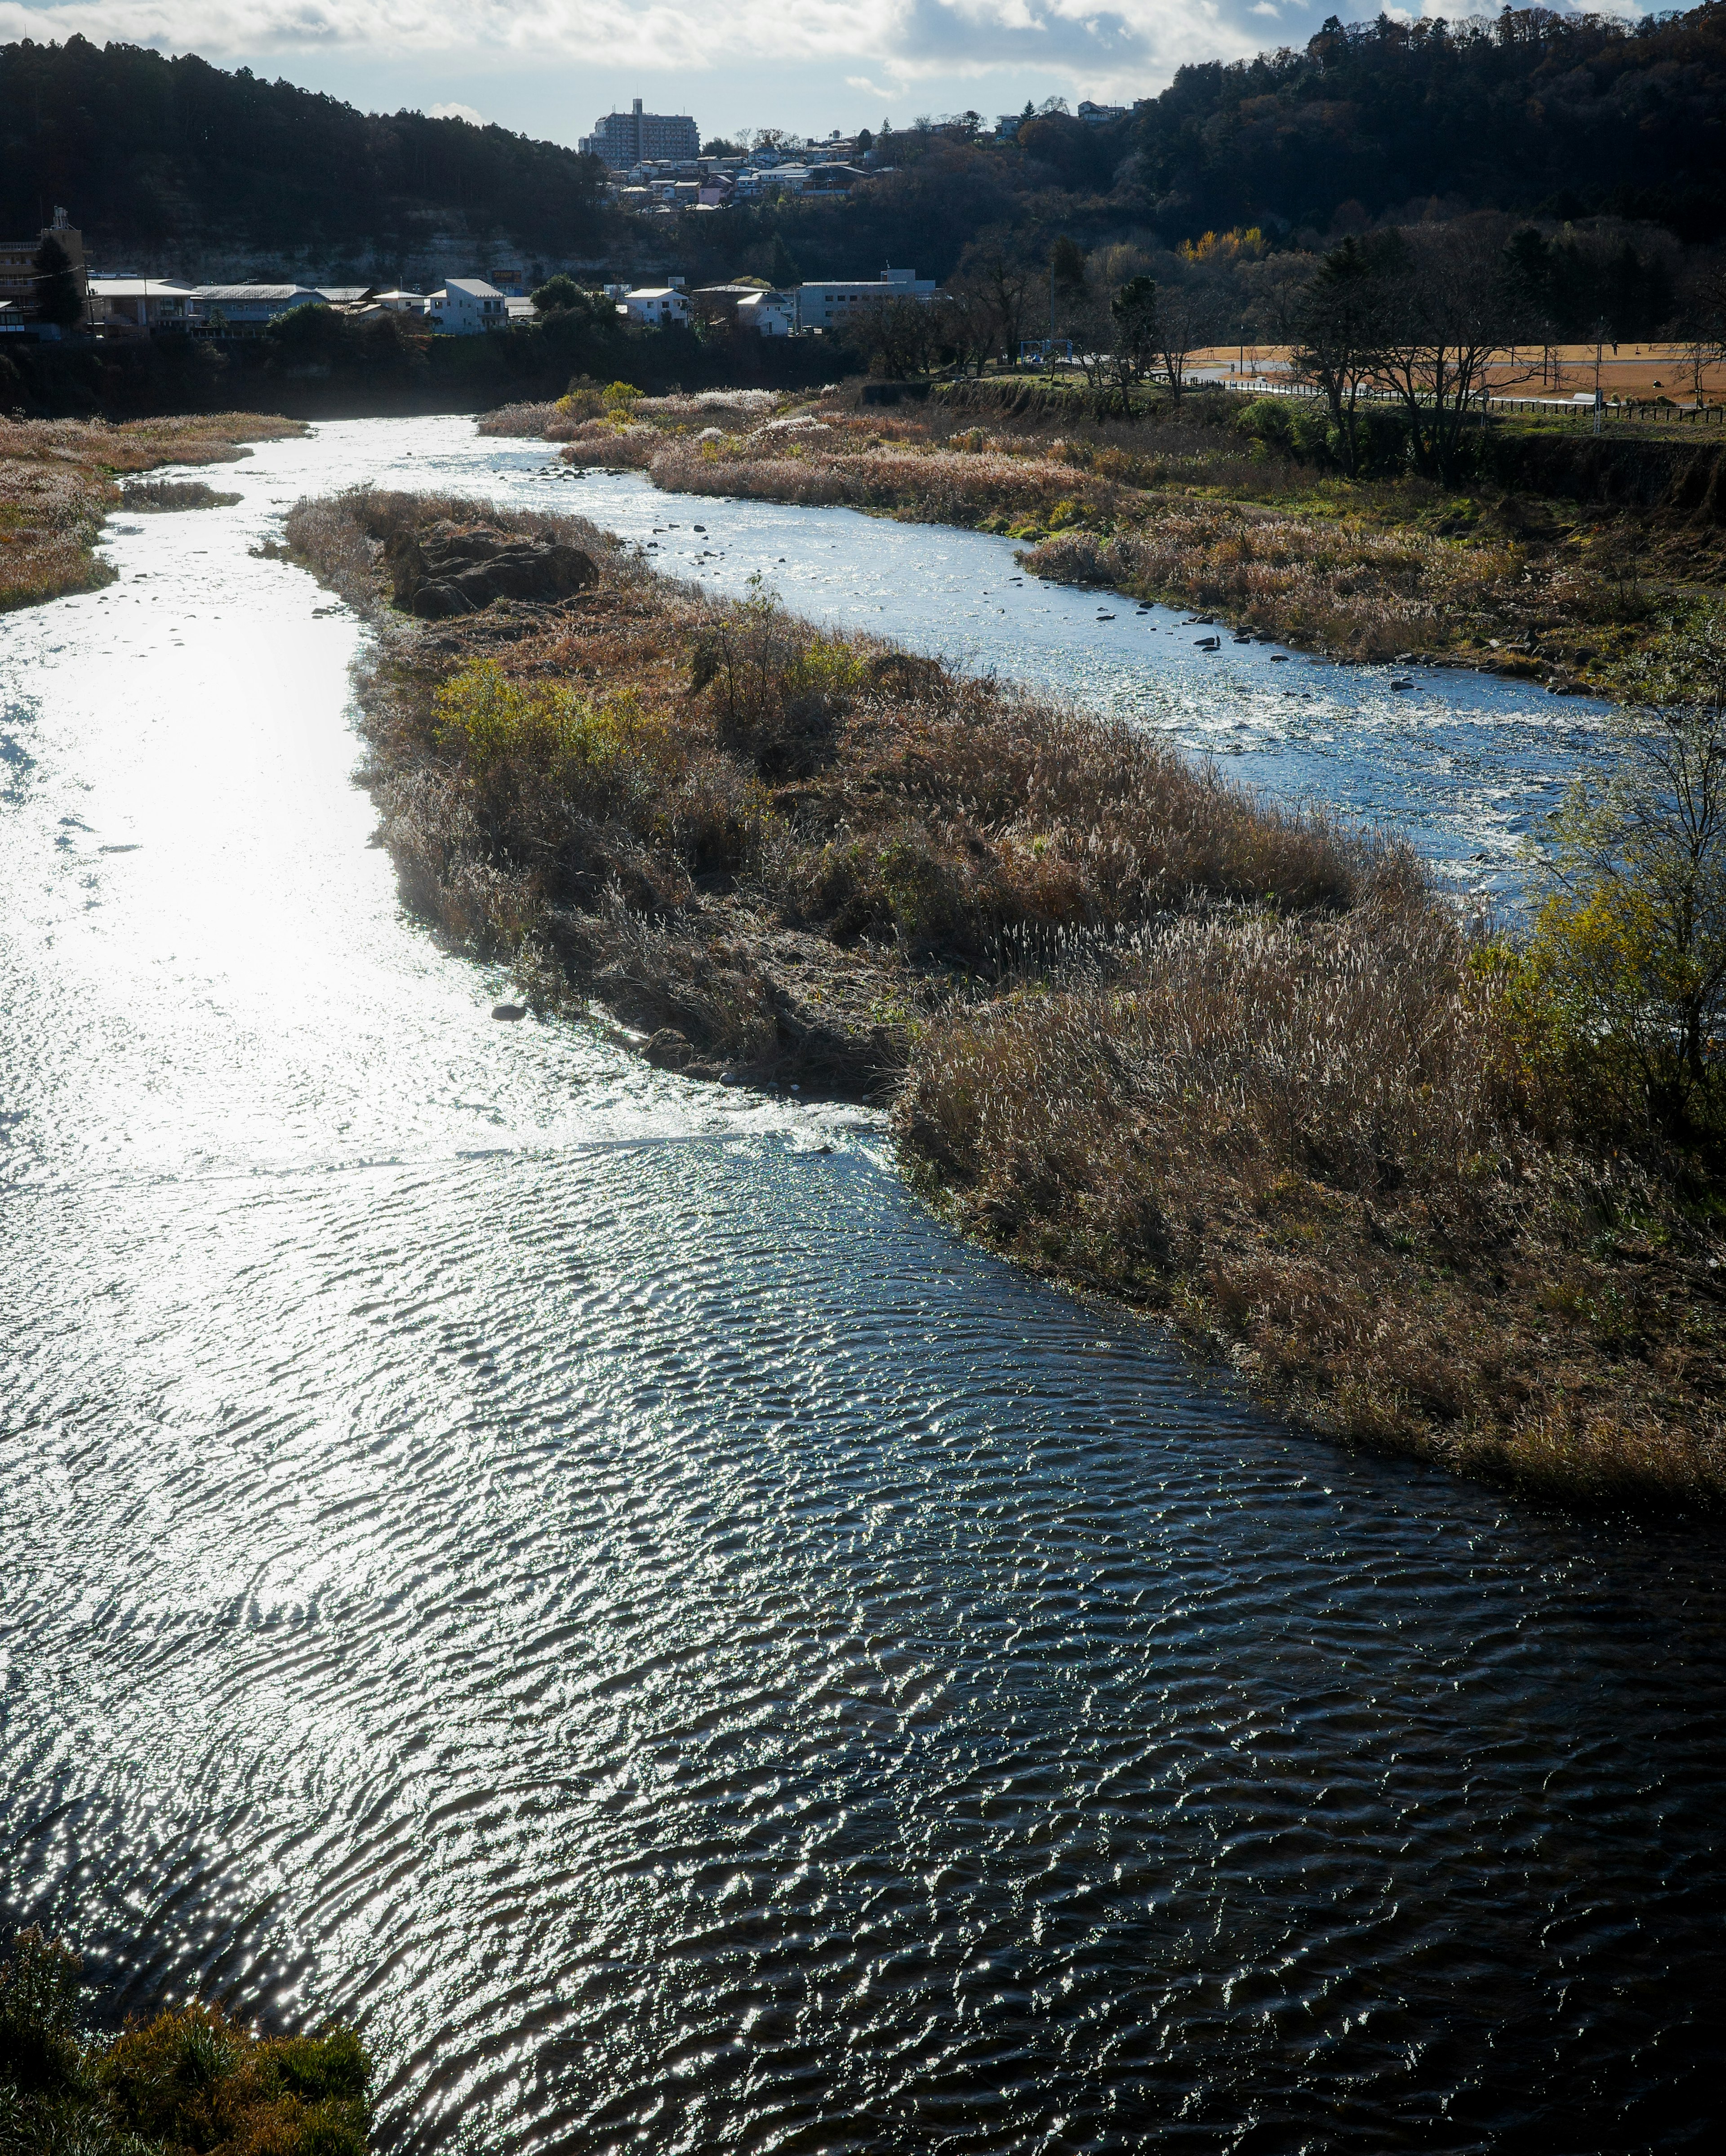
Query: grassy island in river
[[1559, 570], [1137, 1030], [59, 477]]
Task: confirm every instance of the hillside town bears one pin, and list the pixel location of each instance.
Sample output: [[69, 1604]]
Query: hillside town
[[50, 292], [655, 169]]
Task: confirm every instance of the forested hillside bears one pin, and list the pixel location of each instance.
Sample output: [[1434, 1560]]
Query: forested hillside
[[1571, 116], [1558, 118], [175, 158]]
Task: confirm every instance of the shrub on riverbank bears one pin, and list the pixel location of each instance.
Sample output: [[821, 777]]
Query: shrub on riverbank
[[57, 485], [191, 2082], [1140, 1030]]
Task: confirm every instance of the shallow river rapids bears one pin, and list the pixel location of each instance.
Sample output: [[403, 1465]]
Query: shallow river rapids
[[578, 1573]]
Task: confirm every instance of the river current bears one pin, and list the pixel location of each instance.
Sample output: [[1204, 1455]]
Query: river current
[[578, 1573]]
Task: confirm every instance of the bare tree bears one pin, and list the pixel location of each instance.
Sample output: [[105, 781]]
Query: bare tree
[[1703, 321], [1014, 286], [896, 338], [1447, 309], [1338, 323], [1187, 320], [969, 320]]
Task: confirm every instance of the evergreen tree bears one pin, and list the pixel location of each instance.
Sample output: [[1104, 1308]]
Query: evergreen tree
[[60, 299]]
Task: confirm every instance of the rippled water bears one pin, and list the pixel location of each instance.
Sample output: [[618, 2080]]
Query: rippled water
[[545, 1559]]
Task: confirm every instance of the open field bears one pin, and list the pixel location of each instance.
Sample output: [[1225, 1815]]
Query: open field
[[1647, 370], [58, 481], [1206, 506], [1136, 1029]]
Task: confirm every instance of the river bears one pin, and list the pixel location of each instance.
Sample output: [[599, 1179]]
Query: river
[[578, 1572]]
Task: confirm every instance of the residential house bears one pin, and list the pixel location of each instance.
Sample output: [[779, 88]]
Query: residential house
[[660, 307], [751, 307], [769, 314], [832, 303], [833, 179], [467, 306]]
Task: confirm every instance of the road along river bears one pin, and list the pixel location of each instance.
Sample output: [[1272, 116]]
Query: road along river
[[576, 1571]]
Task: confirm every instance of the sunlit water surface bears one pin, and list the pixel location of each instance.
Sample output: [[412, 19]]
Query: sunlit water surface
[[574, 1570]]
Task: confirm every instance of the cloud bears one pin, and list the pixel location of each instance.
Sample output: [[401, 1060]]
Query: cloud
[[450, 111], [1133, 43]]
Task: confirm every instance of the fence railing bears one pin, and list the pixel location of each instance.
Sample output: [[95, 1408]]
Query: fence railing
[[1639, 411]]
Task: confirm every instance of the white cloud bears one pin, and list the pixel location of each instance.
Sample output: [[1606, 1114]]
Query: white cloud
[[1129, 44], [450, 111]]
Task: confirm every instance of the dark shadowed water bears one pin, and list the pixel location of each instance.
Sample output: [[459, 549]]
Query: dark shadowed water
[[545, 1559]]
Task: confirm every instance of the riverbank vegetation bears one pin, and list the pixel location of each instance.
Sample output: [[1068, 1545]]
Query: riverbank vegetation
[[191, 2081], [1431, 1192], [59, 479], [1559, 569]]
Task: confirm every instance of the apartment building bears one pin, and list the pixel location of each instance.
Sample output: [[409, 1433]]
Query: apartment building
[[623, 139]]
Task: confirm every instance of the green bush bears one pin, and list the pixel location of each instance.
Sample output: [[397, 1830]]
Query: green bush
[[1627, 967], [191, 2082]]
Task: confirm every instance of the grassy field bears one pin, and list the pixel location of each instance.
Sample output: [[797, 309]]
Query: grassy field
[[59, 479], [1190, 508], [1136, 1029]]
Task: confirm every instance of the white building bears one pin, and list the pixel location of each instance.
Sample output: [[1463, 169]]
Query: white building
[[659, 305], [833, 302], [623, 139], [772, 314], [466, 306]]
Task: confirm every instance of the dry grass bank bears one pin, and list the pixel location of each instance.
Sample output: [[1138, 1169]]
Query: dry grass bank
[[785, 848], [1321, 1148], [1185, 509], [58, 483], [1138, 1031]]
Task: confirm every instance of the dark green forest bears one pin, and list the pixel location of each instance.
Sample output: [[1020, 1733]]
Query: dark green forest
[[176, 156], [1561, 118]]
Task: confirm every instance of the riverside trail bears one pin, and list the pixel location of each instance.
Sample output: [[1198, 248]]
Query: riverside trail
[[576, 1572]]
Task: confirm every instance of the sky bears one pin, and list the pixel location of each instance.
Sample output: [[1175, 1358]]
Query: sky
[[550, 67]]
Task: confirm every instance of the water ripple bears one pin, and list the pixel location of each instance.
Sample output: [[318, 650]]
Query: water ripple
[[510, 1546]]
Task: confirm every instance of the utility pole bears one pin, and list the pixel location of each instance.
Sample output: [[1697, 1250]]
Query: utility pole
[[1599, 346]]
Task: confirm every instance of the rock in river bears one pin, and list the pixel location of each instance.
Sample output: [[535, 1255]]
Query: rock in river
[[447, 570]]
